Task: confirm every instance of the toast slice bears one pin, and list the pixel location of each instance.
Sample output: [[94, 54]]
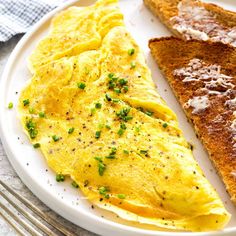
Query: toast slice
[[193, 19], [203, 78]]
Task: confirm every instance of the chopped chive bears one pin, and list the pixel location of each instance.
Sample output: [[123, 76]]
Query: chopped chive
[[113, 151], [30, 124], [111, 75], [98, 105], [140, 109], [55, 138], [98, 159], [41, 114], [123, 114], [126, 88], [71, 130], [131, 51], [120, 132], [117, 90], [93, 111], [31, 110], [111, 85], [110, 157], [103, 191], [123, 81], [108, 97], [108, 126], [36, 145], [165, 125], [126, 152], [149, 113], [81, 85], [132, 65], [74, 184], [97, 134], [31, 127], [144, 152], [60, 178], [33, 134], [10, 105], [115, 100], [128, 118], [26, 102], [101, 168], [137, 129], [121, 196], [123, 126]]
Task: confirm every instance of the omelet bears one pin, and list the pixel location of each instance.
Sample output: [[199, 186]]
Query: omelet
[[76, 30], [97, 118]]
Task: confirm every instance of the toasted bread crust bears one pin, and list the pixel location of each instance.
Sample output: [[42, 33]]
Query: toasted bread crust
[[165, 10], [173, 53]]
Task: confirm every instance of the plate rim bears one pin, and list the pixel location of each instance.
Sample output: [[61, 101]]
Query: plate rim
[[99, 225]]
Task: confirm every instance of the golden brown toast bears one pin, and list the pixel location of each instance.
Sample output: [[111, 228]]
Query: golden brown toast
[[203, 78], [193, 19]]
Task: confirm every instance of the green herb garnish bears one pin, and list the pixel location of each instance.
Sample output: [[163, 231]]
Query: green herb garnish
[[126, 152], [81, 85], [112, 153], [123, 81], [31, 110], [115, 100], [117, 90], [121, 196], [60, 178], [74, 184], [165, 125], [98, 159], [93, 111], [131, 51], [120, 132], [10, 105], [41, 114], [97, 134], [36, 145], [101, 168], [55, 138], [31, 127], [98, 105], [117, 84], [108, 97], [149, 113], [110, 157], [108, 126], [71, 130], [103, 191], [123, 114], [26, 102], [145, 152], [132, 65], [123, 126], [126, 89], [111, 75]]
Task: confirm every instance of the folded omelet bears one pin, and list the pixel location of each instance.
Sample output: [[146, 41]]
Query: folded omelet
[[76, 30], [93, 110]]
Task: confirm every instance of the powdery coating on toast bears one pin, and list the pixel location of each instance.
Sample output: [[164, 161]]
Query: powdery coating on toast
[[203, 78], [192, 19]]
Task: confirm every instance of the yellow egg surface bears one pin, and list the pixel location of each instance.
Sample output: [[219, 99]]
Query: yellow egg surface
[[98, 119]]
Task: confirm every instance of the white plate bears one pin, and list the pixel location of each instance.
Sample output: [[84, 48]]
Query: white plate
[[30, 164]]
